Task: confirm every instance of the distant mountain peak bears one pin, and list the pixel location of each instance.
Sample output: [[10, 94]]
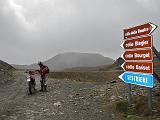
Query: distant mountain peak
[[74, 59]]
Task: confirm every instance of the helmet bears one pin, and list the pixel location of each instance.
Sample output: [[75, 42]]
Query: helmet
[[30, 72], [40, 63]]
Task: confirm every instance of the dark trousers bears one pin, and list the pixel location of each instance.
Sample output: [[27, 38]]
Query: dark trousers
[[43, 81]]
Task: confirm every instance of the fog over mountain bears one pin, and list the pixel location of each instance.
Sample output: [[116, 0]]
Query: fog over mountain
[[71, 60]]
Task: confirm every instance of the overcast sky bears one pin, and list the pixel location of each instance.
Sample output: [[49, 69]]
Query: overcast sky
[[34, 30]]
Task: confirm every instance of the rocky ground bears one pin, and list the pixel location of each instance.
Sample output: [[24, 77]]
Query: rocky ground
[[65, 100]]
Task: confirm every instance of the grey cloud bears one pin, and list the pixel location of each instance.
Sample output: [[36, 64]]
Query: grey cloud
[[85, 26]]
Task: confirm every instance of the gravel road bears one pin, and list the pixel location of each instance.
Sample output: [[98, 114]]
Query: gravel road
[[65, 100]]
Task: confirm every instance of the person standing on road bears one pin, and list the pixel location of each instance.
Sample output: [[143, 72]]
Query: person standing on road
[[43, 71]]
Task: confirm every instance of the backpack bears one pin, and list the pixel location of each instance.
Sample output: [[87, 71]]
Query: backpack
[[46, 70]]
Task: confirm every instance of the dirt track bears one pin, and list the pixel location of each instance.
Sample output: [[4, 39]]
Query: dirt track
[[65, 100]]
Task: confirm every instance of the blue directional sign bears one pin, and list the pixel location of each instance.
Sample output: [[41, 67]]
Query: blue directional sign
[[137, 79]]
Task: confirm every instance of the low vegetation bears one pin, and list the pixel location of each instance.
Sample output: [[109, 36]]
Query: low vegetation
[[85, 76]]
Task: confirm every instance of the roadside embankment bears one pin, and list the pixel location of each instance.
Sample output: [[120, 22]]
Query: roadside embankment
[[95, 76]]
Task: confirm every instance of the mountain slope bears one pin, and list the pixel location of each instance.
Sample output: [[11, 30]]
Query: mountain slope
[[114, 66], [19, 67], [5, 72], [72, 60], [5, 66]]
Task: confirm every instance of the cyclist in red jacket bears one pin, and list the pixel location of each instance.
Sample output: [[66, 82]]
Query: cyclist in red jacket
[[43, 71]]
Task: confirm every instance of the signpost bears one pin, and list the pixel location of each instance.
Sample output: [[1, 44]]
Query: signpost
[[142, 67], [145, 29], [143, 42], [138, 55], [138, 58], [145, 80]]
